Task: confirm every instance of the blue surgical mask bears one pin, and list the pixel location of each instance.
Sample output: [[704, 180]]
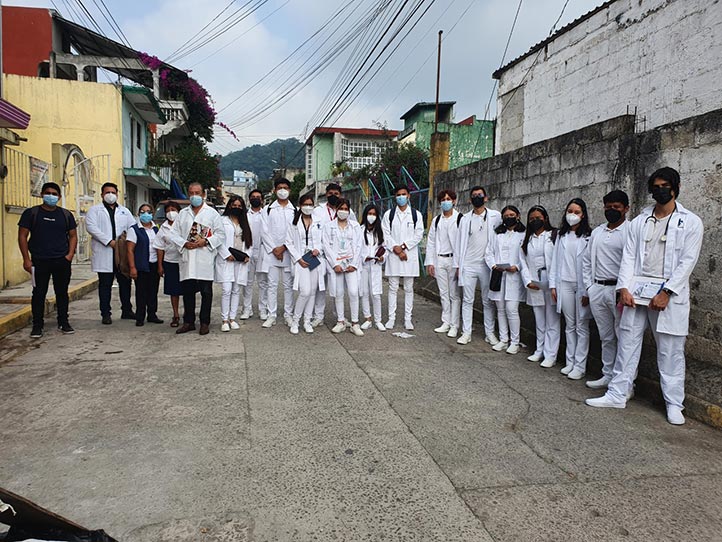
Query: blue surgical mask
[[402, 201], [50, 199], [145, 218], [447, 205], [196, 201]]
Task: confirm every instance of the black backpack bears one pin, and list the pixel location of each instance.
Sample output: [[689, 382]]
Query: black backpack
[[67, 215], [392, 214], [436, 222]]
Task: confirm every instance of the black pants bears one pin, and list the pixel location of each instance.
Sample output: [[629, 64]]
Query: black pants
[[190, 288], [146, 293], [59, 269], [105, 283]]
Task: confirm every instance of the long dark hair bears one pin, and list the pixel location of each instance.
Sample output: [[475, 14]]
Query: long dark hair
[[584, 229], [376, 230], [501, 228], [547, 226], [242, 219], [301, 199]]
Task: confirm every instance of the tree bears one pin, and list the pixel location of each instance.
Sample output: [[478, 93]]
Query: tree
[[298, 184], [193, 163], [395, 155]]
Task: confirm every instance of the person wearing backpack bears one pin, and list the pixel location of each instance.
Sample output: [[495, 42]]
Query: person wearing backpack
[[48, 254], [440, 261], [403, 228]]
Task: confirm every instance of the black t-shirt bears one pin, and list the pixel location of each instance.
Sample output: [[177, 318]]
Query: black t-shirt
[[48, 232]]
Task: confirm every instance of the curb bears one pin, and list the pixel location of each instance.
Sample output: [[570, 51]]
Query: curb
[[23, 316]]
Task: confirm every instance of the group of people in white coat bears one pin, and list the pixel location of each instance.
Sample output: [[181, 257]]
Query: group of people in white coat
[[624, 275]]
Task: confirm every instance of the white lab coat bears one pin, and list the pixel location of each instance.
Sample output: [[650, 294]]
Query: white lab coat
[[402, 231], [332, 236], [589, 263], [556, 271], [535, 266], [277, 221], [234, 272], [296, 246], [323, 214], [493, 220], [257, 221], [506, 248], [431, 247], [97, 222], [684, 241], [198, 263], [372, 267]]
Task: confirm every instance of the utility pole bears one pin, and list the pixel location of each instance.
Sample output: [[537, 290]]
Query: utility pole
[[438, 84], [439, 152]]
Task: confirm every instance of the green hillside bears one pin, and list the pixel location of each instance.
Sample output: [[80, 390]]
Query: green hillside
[[260, 158]]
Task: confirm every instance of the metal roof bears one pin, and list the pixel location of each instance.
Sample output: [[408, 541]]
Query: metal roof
[[423, 105], [142, 99], [351, 131]]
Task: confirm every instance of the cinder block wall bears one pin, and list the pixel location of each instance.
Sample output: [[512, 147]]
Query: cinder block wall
[[590, 162]]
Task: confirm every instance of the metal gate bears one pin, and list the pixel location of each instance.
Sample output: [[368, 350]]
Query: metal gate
[[88, 175]]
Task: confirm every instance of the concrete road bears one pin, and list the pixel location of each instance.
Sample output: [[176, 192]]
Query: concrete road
[[257, 435]]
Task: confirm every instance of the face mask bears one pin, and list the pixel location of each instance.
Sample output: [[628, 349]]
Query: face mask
[[307, 210], [50, 199], [573, 219], [235, 212], [613, 216], [110, 198], [343, 215], [196, 201], [536, 224], [332, 200], [402, 201], [283, 194], [510, 221], [255, 203], [171, 215], [145, 218], [447, 205], [662, 194], [370, 219], [477, 201]]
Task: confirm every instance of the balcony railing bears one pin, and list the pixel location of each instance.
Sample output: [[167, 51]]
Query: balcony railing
[[174, 111]]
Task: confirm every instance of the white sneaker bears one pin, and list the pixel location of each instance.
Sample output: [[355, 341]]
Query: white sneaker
[[443, 328], [390, 324], [316, 322], [263, 316], [356, 330], [340, 327], [408, 326], [674, 415], [246, 315], [234, 325], [491, 339], [307, 327], [366, 325], [294, 328], [499, 346], [547, 363], [567, 369], [453, 332], [598, 384], [289, 320], [380, 326], [225, 327], [604, 402], [576, 374], [270, 322], [464, 339], [513, 349], [536, 358]]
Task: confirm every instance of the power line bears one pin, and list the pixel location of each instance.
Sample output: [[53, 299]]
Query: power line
[[201, 30], [114, 26]]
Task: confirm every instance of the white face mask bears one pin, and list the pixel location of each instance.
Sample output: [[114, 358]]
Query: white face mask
[[171, 215], [307, 210], [370, 219], [573, 219], [283, 194], [110, 198], [343, 215]]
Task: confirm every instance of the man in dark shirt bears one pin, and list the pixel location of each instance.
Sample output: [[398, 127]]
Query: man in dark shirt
[[48, 253]]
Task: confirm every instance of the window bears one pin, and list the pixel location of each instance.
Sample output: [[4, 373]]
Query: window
[[358, 153], [309, 162], [137, 134]]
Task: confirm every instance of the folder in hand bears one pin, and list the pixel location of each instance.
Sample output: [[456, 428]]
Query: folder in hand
[[312, 261], [238, 255]]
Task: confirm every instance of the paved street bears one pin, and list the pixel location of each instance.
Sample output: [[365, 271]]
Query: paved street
[[258, 435]]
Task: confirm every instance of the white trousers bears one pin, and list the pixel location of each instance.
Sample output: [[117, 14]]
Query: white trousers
[[274, 277], [319, 310], [262, 280], [408, 297], [670, 359], [448, 291], [230, 299], [307, 289], [509, 321], [576, 328], [347, 282], [367, 287], [603, 302], [482, 274], [548, 329]]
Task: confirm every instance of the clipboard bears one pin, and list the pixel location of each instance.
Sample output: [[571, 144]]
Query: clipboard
[[312, 261], [645, 288]]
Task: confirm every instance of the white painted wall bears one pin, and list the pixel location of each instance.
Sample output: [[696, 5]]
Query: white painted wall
[[663, 57]]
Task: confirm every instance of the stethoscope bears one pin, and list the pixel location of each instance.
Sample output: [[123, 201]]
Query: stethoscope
[[655, 220]]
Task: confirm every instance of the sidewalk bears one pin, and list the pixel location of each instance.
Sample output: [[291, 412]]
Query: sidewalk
[[15, 310]]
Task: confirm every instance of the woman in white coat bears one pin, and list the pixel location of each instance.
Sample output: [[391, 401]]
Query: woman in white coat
[[503, 254], [372, 268], [343, 248], [231, 273], [305, 236], [567, 286], [537, 252]]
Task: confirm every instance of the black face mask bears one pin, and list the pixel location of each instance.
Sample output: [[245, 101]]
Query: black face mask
[[332, 200], [235, 212], [256, 202], [662, 194], [536, 224], [613, 216], [477, 201], [510, 221]]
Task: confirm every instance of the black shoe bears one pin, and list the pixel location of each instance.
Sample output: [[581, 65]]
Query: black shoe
[[139, 323], [37, 332], [66, 329], [130, 315], [107, 320], [154, 320]]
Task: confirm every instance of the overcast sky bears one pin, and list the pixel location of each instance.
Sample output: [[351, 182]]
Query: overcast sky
[[472, 50]]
